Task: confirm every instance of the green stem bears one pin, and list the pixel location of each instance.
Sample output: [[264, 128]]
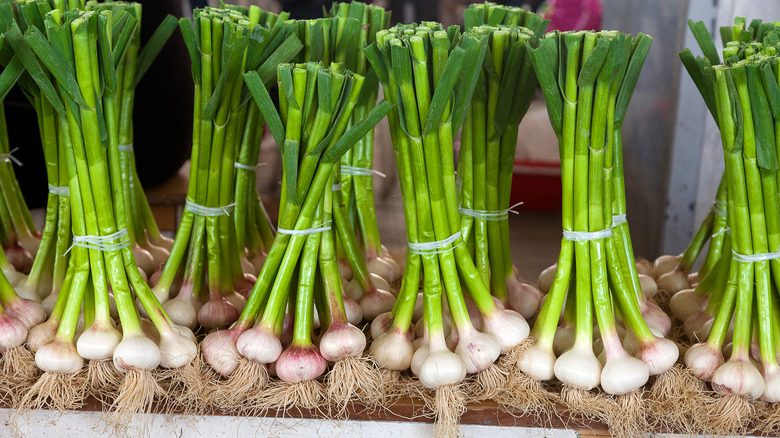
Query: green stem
[[697, 243], [349, 244], [282, 256], [403, 310], [492, 158], [479, 164], [725, 309], [306, 279], [718, 231], [328, 263]]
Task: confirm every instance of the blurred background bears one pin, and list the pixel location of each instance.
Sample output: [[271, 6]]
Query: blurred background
[[673, 158]]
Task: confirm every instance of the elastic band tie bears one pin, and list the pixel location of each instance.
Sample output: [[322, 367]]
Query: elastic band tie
[[436, 247], [488, 215], [250, 167], [563, 95], [335, 187], [59, 191], [750, 258], [8, 157], [719, 208], [585, 236], [314, 230], [618, 219], [725, 230], [202, 210], [125, 147], [360, 171], [102, 243]]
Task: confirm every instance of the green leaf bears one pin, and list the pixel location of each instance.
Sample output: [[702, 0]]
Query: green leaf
[[106, 59], [55, 63], [6, 15], [473, 16], [290, 165], [118, 22], [592, 65], [489, 69], [11, 73], [725, 34], [510, 84], [616, 60], [315, 40], [762, 30], [496, 16], [339, 119], [268, 70], [696, 70], [443, 93], [15, 39], [266, 106], [402, 72], [632, 76], [284, 53], [153, 47], [754, 25], [276, 36], [736, 113], [102, 129], [356, 132], [467, 81], [314, 74], [544, 59], [706, 43], [122, 42], [772, 89], [29, 15], [191, 41], [369, 88], [285, 75], [348, 45], [537, 24], [453, 34], [766, 152], [322, 77], [526, 88], [258, 40], [234, 45], [374, 58]]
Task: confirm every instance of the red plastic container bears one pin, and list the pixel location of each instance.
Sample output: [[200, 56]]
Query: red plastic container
[[537, 185]]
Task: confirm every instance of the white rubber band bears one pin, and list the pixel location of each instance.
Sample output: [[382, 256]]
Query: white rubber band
[[488, 215], [8, 157], [314, 230], [436, 247], [585, 236], [59, 191], [202, 210], [725, 230], [125, 147], [360, 171], [618, 219], [750, 258], [102, 243], [238, 165], [335, 187], [719, 208]]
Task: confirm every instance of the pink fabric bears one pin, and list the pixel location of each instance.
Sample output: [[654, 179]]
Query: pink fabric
[[574, 14]]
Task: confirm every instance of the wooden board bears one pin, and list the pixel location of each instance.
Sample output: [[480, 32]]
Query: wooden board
[[409, 409]]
